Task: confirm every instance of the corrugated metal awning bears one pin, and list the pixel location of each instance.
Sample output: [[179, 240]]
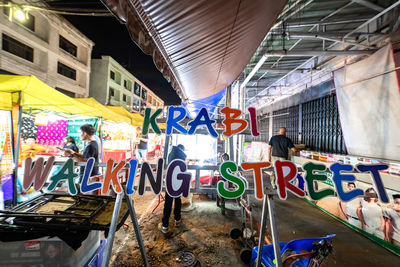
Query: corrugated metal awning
[[199, 46]]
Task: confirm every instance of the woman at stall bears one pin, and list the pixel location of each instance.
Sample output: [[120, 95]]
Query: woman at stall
[[70, 144]]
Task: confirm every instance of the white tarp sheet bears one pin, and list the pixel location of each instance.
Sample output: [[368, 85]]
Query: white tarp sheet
[[369, 106]]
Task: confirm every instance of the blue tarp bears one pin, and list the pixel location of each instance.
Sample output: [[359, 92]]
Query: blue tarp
[[211, 102]]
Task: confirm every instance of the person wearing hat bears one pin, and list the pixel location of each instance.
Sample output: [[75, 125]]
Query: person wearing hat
[[177, 152], [370, 214], [392, 220]]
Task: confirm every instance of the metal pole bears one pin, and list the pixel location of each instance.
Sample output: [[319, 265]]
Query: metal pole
[[166, 148], [262, 232], [274, 230], [137, 230], [101, 138], [16, 159], [268, 201], [111, 232]]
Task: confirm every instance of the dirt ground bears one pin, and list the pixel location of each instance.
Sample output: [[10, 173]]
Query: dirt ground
[[204, 231]]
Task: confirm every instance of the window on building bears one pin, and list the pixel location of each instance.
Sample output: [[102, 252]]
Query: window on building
[[118, 77], [115, 76], [136, 104], [124, 98], [67, 46], [128, 85], [111, 92], [66, 92], [144, 93], [66, 71], [137, 89], [150, 99], [17, 48], [27, 23], [154, 102]]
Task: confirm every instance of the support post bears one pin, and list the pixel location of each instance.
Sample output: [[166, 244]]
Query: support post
[[274, 230], [300, 136], [111, 232], [197, 180], [268, 201], [271, 119], [135, 223], [166, 148], [228, 103], [101, 139], [16, 156]]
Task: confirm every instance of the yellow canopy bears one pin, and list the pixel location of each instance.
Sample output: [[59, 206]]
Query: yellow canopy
[[136, 119], [30, 92], [106, 113]]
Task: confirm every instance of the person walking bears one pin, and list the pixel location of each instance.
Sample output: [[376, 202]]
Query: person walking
[[177, 152], [278, 149]]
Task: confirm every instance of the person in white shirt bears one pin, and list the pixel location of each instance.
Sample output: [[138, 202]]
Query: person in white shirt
[[371, 215]]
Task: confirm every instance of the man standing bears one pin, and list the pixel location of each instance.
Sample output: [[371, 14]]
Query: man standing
[[177, 152], [278, 149], [91, 150]]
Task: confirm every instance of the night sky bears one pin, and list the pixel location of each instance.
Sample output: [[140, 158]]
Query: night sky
[[112, 39]]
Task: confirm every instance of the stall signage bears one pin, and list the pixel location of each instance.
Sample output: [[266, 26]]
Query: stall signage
[[177, 180], [233, 124]]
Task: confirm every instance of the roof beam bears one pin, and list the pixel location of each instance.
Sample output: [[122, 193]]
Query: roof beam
[[395, 4], [312, 53], [311, 22], [332, 35], [368, 4], [298, 41], [280, 70], [348, 34], [264, 57]]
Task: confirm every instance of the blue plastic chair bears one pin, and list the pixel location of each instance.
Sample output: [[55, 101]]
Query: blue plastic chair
[[298, 246]]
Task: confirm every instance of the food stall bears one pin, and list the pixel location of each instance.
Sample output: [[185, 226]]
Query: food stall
[[39, 118], [119, 140], [65, 229], [115, 131]]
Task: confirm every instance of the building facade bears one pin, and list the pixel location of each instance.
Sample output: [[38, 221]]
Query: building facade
[[112, 84], [47, 46]]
